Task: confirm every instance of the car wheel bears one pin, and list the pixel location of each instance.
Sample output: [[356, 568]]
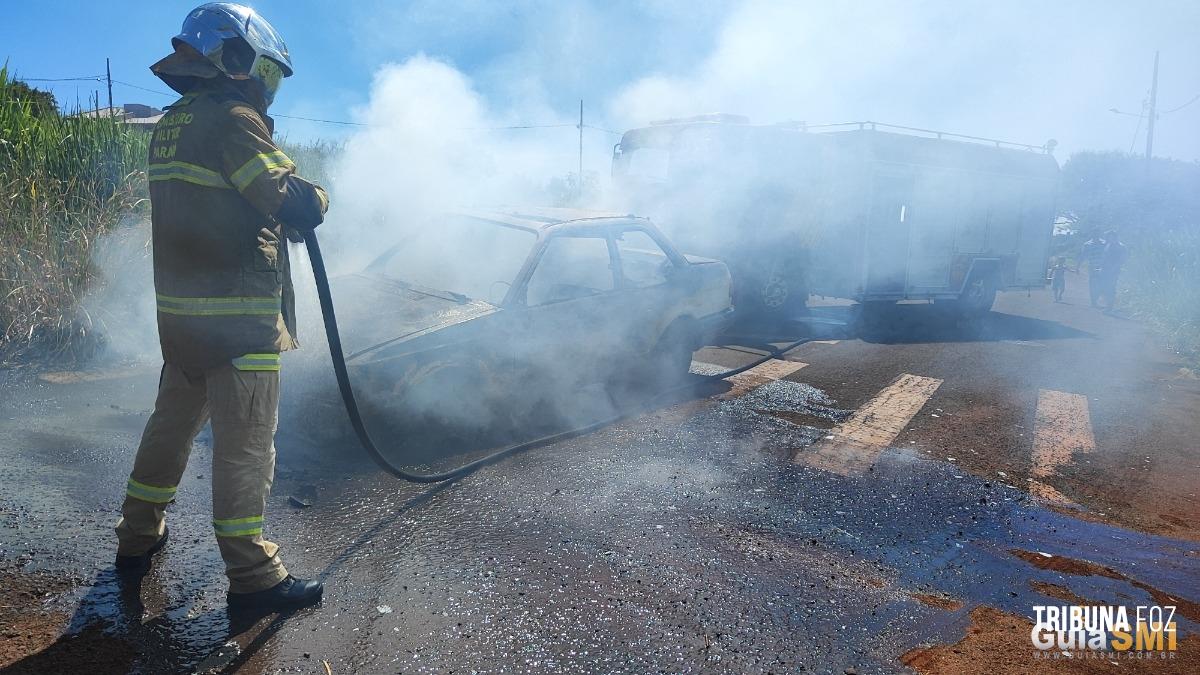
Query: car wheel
[[446, 402], [672, 357], [665, 367]]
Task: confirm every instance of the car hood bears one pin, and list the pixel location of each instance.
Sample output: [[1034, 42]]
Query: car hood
[[374, 311]]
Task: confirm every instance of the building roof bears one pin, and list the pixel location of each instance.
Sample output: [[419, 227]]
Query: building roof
[[137, 114]]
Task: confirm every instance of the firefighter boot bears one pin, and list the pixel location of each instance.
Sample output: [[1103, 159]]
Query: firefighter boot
[[291, 593], [139, 564]]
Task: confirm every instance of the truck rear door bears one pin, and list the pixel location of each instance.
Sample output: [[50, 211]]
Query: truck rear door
[[1036, 225], [887, 233]]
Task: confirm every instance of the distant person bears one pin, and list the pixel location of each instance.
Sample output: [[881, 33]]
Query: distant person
[[1089, 258], [1111, 259], [222, 198], [1058, 278]]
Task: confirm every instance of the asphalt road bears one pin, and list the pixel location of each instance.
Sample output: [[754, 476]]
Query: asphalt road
[[893, 497]]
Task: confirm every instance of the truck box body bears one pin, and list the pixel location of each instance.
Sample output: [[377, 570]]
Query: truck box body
[[911, 217], [864, 214]]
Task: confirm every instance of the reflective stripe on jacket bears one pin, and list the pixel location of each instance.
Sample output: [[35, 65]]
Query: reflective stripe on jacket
[[221, 272]]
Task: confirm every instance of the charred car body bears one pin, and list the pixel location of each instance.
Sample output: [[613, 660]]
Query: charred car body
[[482, 318]]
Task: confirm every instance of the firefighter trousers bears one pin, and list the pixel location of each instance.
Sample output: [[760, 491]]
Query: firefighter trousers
[[243, 408]]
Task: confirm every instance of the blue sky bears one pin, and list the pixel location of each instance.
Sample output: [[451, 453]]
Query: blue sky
[[337, 47], [1020, 70]]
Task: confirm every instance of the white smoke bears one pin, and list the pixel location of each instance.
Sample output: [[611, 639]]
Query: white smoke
[[432, 143], [1019, 71], [119, 303]]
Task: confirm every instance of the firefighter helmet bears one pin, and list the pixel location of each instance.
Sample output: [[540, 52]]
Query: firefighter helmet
[[238, 42]]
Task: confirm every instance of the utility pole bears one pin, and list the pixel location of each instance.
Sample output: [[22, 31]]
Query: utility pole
[[108, 74], [580, 150], [1153, 111]]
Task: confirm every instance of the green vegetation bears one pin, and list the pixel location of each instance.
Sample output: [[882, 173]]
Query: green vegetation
[[1155, 208], [64, 182]]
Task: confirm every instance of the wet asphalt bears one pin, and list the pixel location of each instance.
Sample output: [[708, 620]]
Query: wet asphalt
[[681, 539]]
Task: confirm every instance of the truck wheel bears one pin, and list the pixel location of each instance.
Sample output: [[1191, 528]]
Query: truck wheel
[[873, 316], [977, 296], [774, 294]]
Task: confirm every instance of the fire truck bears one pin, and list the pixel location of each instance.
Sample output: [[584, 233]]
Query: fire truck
[[871, 212]]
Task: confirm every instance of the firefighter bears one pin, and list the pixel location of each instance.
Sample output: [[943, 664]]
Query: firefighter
[[1090, 255], [223, 199], [1112, 257]]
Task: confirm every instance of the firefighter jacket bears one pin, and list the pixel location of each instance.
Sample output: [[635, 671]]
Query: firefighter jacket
[[221, 274]]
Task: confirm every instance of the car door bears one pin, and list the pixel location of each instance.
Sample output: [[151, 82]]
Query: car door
[[569, 309], [648, 285]]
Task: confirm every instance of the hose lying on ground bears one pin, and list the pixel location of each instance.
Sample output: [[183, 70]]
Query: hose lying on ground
[[360, 430]]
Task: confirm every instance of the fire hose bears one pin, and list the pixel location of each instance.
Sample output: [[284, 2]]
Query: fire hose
[[360, 430]]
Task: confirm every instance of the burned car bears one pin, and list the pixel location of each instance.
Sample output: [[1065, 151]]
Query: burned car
[[484, 318]]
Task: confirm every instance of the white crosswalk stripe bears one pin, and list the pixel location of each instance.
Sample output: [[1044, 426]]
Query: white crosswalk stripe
[[856, 443], [1062, 428]]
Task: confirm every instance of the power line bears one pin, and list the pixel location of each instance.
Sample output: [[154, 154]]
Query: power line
[[526, 126], [101, 78], [1136, 129], [152, 91], [94, 78], [607, 131], [1190, 101], [313, 119], [363, 124]]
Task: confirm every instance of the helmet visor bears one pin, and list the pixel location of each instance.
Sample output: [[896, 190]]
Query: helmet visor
[[270, 75]]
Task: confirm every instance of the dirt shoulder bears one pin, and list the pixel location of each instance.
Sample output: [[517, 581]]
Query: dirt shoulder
[[998, 643], [34, 618], [29, 621]]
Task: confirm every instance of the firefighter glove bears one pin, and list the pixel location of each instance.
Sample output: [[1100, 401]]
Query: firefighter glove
[[303, 208]]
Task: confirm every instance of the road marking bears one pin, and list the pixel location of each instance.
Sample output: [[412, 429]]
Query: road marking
[[1050, 494], [1061, 428], [857, 442], [77, 376], [825, 342], [743, 383], [763, 373]]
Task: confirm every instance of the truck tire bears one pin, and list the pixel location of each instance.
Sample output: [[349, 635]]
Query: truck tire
[[977, 297], [874, 316], [774, 293]]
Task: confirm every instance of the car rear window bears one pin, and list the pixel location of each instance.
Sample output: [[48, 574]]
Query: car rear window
[[643, 262], [570, 268], [475, 258]]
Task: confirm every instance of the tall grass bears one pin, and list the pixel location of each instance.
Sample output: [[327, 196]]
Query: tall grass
[[64, 181], [1155, 207], [1162, 283]]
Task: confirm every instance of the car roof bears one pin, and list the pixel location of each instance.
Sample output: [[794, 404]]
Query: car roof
[[538, 219]]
